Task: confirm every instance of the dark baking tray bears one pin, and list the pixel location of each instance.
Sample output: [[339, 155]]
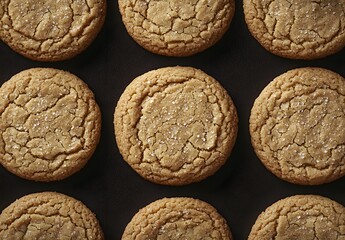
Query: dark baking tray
[[240, 190]]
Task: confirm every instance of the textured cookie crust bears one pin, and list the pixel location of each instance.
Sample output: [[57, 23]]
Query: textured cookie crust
[[176, 219], [174, 27], [49, 124], [297, 126], [50, 30], [299, 29], [175, 125], [301, 217], [48, 215]]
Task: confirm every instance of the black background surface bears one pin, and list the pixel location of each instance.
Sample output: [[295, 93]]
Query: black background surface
[[240, 190]]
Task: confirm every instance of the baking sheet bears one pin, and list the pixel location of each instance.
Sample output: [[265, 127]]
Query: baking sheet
[[240, 190]]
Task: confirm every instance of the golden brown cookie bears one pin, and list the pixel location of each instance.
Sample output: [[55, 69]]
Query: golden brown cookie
[[48, 215], [50, 30], [299, 29], [297, 126], [175, 219], [49, 124], [301, 217], [175, 125], [176, 28]]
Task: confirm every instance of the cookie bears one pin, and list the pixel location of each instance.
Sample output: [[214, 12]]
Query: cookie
[[50, 30], [176, 28], [49, 124], [301, 217], [297, 29], [297, 126], [48, 215], [175, 125], [177, 218]]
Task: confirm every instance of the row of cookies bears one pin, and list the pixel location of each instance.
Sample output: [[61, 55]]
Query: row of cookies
[[174, 125], [56, 31], [51, 215]]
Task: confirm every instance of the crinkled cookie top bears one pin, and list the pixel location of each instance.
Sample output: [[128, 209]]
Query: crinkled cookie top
[[50, 30], [302, 29], [175, 27]]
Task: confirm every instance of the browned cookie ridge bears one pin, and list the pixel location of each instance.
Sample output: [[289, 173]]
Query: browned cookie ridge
[[297, 126], [176, 219], [174, 27], [48, 215], [49, 124], [299, 29], [175, 125], [50, 30], [301, 217]]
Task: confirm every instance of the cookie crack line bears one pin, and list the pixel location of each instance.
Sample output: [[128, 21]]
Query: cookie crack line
[[181, 216], [207, 165], [162, 36]]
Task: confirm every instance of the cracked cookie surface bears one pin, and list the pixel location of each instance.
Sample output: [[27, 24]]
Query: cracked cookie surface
[[175, 27], [301, 217], [177, 218], [48, 215], [299, 29], [175, 125], [49, 124], [297, 126], [50, 30]]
